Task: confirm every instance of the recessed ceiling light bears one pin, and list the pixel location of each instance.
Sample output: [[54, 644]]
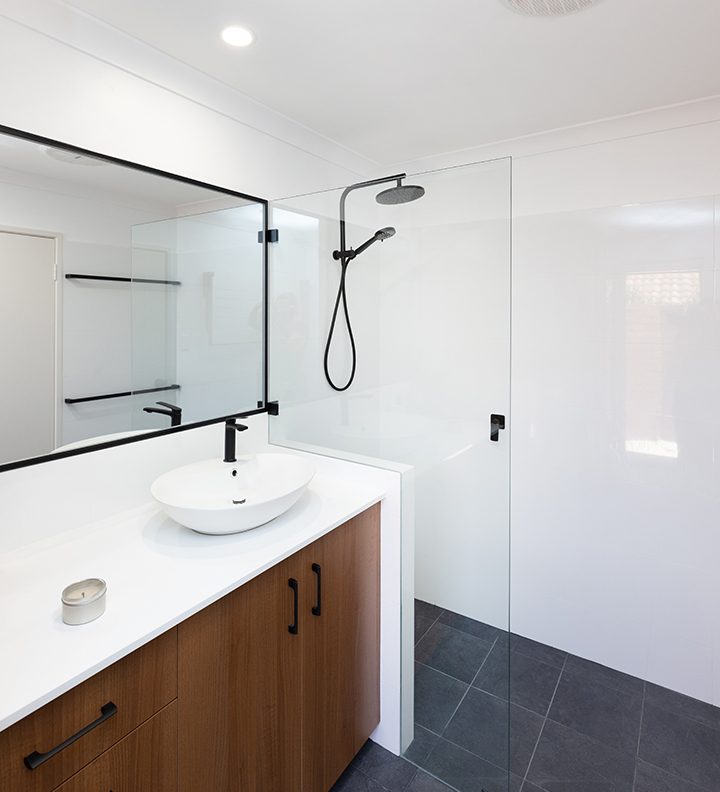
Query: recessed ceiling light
[[237, 36]]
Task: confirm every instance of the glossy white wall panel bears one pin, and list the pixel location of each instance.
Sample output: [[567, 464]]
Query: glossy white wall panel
[[615, 391]]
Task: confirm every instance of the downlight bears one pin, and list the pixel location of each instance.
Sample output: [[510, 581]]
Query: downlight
[[237, 36], [548, 8], [73, 158]]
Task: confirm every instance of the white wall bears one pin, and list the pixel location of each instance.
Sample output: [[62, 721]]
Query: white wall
[[616, 377], [113, 95]]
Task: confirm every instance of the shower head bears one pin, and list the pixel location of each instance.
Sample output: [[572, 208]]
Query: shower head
[[378, 236], [400, 194]]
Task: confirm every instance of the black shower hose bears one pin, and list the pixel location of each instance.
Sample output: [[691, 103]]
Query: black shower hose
[[341, 295]]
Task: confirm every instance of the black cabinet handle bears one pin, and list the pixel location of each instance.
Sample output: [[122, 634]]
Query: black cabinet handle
[[497, 422], [317, 608], [35, 759], [293, 628]]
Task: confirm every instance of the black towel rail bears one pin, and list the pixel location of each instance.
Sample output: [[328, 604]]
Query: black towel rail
[[124, 393], [117, 278]]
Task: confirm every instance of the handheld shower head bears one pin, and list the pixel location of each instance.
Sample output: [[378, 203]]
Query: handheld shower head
[[378, 236]]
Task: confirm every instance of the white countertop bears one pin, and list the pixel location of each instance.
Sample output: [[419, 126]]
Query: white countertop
[[158, 574]]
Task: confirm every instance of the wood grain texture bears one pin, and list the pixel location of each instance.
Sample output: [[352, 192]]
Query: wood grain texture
[[341, 649], [140, 685], [144, 761], [239, 690]]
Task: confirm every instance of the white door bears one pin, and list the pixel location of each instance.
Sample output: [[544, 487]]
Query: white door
[[27, 346]]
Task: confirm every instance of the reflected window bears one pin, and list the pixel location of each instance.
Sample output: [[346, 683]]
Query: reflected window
[[654, 301]]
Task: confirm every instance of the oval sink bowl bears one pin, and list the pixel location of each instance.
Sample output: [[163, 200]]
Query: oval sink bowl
[[216, 497]]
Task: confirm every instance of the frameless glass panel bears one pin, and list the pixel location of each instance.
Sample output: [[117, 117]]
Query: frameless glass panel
[[198, 332], [429, 308]]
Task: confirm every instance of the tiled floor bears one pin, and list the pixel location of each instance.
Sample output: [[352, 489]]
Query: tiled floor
[[574, 725]]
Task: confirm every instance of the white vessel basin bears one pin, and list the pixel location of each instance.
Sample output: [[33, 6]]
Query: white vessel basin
[[216, 497]]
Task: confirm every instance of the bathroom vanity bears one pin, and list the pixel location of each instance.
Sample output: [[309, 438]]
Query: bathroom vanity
[[274, 686]]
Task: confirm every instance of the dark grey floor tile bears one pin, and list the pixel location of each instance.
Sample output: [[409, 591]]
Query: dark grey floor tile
[[681, 746], [534, 650], [481, 726], [392, 772], [531, 684], [353, 780], [422, 625], [528, 787], [427, 610], [682, 705], [423, 742], [455, 653], [465, 771], [426, 783], [607, 676], [567, 761], [600, 712], [471, 626], [436, 697], [649, 778]]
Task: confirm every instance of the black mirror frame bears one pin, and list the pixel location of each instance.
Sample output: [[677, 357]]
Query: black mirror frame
[[263, 407]]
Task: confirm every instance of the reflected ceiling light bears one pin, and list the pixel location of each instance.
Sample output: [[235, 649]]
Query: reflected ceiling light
[[72, 157], [548, 8], [237, 36]]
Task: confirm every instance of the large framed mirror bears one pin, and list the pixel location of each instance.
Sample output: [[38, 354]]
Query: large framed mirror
[[133, 301]]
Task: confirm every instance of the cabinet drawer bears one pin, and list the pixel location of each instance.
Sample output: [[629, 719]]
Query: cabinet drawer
[[138, 686], [144, 761]]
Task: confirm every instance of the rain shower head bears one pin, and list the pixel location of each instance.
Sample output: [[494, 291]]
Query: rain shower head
[[400, 194]]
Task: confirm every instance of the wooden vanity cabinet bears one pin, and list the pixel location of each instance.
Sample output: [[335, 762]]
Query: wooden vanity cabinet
[[278, 682], [274, 688]]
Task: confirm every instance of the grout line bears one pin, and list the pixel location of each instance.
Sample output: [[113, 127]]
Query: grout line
[[542, 728], [469, 688], [637, 750], [428, 629], [455, 745]]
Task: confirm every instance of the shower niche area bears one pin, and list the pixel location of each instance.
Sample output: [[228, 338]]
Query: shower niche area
[[428, 300]]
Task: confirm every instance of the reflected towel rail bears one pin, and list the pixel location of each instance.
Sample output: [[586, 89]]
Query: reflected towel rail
[[119, 279], [124, 393]]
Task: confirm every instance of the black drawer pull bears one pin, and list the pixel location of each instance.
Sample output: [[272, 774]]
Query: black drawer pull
[[35, 759], [317, 608], [293, 628]]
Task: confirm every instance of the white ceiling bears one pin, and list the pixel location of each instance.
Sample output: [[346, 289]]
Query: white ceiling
[[398, 79]]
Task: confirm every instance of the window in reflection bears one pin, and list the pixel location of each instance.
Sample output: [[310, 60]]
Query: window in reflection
[[653, 303]]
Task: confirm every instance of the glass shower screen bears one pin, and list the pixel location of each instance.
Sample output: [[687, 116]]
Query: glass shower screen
[[430, 313]]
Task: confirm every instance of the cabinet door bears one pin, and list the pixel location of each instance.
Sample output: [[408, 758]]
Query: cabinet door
[[341, 648], [239, 687]]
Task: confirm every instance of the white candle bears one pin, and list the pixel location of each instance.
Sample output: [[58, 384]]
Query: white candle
[[84, 601]]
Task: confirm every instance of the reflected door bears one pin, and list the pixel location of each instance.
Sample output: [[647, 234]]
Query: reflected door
[[27, 346]]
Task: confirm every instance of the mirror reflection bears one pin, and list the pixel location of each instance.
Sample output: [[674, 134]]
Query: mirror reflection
[[131, 301]]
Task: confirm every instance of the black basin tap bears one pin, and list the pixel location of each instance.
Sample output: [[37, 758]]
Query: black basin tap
[[172, 410], [230, 429]]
